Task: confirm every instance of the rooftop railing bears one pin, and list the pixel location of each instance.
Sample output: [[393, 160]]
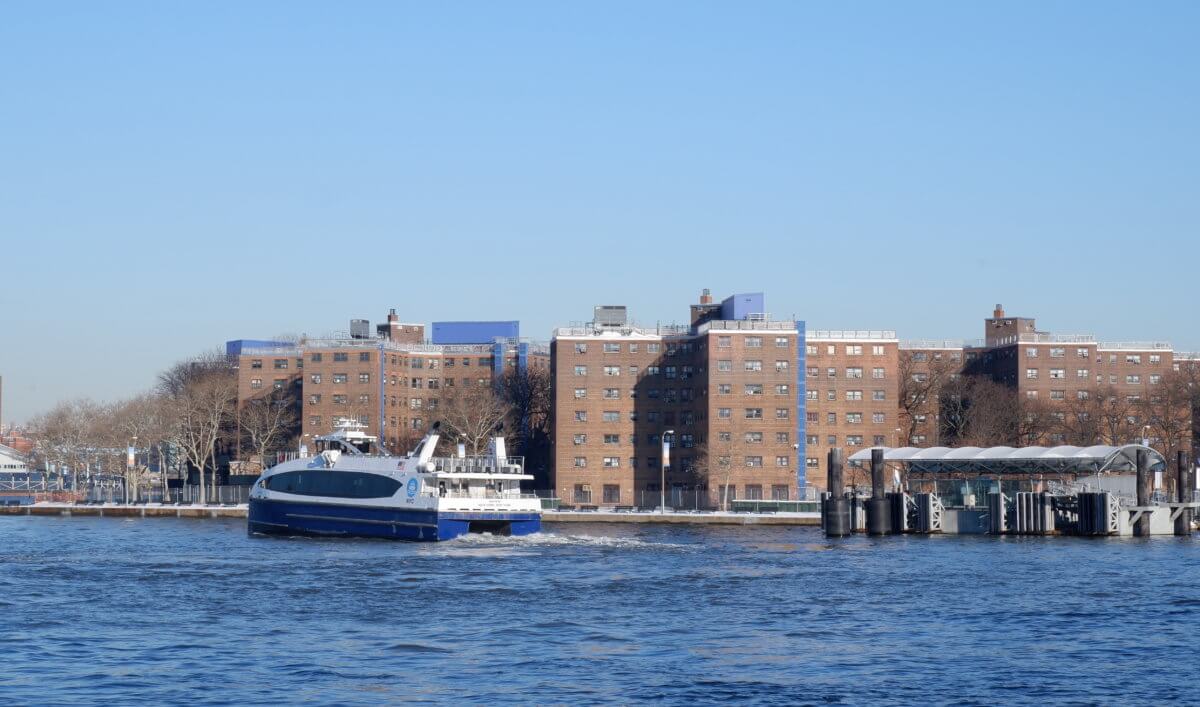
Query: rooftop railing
[[746, 325], [932, 344], [1133, 346], [850, 334]]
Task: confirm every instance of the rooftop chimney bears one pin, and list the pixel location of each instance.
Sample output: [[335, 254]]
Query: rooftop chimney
[[392, 315], [706, 296], [999, 313]]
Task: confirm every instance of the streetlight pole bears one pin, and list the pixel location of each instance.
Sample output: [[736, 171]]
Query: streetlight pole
[[666, 462]]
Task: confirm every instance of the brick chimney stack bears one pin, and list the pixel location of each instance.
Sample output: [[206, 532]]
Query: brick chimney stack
[[706, 296], [999, 312]]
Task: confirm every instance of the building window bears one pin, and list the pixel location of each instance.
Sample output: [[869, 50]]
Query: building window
[[878, 418], [854, 418], [878, 395], [1058, 395], [340, 399], [364, 356], [781, 389], [612, 493], [341, 357], [811, 462], [612, 370], [781, 438], [753, 365], [1155, 358], [831, 418], [782, 413], [314, 421], [724, 342], [580, 462], [831, 395], [366, 378], [579, 348], [781, 366], [580, 439], [877, 373], [340, 377], [653, 348], [810, 350], [854, 440], [754, 413], [581, 370], [753, 437], [256, 363], [1031, 373], [831, 372], [754, 389], [256, 383], [1155, 379], [280, 383], [1082, 373], [810, 395], [724, 413], [753, 342], [876, 350], [754, 462], [580, 393], [781, 342], [610, 347], [853, 349], [315, 358], [1031, 352], [1133, 379], [811, 372], [854, 372], [610, 416], [782, 462], [581, 415], [724, 388], [612, 393], [612, 439], [315, 378], [314, 399], [612, 462], [724, 365], [1135, 359], [1057, 352], [281, 364], [1058, 373], [854, 395]]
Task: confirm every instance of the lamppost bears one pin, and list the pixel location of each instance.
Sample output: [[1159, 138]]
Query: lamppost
[[666, 462]]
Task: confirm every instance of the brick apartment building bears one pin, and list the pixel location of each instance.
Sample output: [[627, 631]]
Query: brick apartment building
[[852, 392], [725, 389], [1052, 373], [391, 382]]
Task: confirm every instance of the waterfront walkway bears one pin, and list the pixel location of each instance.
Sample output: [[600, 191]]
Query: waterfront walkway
[[112, 510]]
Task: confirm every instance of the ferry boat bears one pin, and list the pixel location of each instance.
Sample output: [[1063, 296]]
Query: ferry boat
[[352, 488]]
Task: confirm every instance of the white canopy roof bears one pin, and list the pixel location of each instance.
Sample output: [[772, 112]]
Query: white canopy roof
[[1062, 459]]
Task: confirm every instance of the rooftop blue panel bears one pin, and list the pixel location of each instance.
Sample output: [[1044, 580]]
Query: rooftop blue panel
[[474, 332], [235, 347], [743, 305]]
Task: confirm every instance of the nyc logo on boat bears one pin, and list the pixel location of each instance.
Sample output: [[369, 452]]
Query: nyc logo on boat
[[412, 487]]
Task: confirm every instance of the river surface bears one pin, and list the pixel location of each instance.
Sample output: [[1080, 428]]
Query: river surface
[[167, 611]]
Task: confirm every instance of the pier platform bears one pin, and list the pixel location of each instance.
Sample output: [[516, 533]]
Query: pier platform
[[114, 510]]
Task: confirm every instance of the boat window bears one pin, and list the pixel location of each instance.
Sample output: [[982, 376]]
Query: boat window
[[338, 484]]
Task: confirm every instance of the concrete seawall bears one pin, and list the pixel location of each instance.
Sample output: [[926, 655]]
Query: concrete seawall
[[118, 511], [153, 511]]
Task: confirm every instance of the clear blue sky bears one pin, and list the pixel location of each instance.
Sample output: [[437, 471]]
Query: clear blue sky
[[173, 175]]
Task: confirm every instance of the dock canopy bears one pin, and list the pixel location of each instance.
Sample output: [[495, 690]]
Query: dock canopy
[[1098, 459]]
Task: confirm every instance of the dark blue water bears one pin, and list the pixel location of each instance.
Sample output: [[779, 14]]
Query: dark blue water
[[172, 611]]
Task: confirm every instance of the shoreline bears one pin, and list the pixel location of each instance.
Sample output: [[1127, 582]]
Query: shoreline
[[239, 511]]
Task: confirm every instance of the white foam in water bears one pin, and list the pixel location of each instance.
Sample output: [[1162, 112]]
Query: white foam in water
[[555, 540]]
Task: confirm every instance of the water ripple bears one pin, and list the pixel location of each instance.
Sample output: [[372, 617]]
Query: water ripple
[[172, 611]]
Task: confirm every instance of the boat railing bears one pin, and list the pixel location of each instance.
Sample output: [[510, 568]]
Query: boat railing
[[478, 465], [481, 494]]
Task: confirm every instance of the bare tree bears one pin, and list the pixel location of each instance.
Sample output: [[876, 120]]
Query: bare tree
[[529, 396], [921, 383], [1167, 411], [267, 425], [203, 398], [714, 461], [473, 414], [66, 436], [980, 412]]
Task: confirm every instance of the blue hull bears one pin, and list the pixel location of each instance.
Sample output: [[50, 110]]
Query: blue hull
[[273, 517]]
